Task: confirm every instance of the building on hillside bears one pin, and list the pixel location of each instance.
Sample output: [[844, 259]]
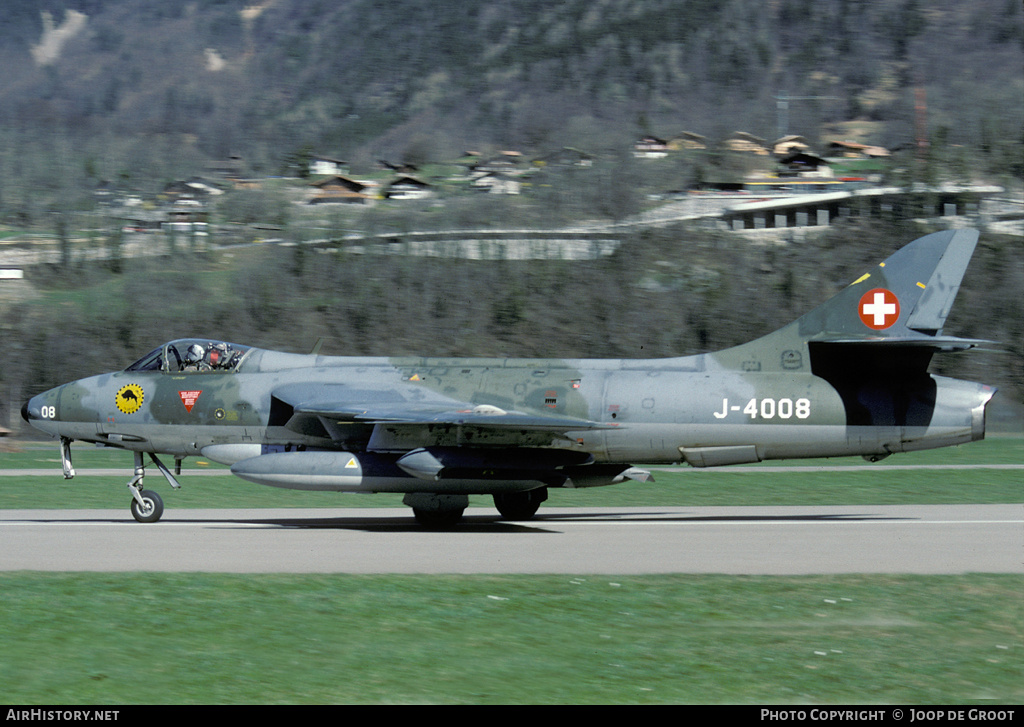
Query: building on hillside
[[408, 187], [506, 162], [195, 188], [567, 156], [496, 183], [339, 189], [741, 141], [323, 166], [789, 145], [687, 140], [801, 164], [650, 147], [854, 150]]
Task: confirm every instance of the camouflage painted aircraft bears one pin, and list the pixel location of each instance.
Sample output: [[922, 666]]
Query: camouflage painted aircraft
[[848, 378]]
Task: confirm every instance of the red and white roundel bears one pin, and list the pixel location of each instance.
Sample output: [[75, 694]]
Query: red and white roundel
[[879, 308]]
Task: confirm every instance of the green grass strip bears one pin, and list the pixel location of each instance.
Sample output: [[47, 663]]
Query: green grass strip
[[226, 639]]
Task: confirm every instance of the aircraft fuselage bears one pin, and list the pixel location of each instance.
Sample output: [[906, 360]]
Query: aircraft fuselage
[[656, 411]]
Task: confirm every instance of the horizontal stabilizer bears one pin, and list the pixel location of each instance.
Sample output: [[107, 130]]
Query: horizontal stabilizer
[[935, 343]]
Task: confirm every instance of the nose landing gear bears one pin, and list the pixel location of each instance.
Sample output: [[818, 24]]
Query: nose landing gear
[[146, 505]]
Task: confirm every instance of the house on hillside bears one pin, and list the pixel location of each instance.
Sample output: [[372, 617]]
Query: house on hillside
[[790, 145], [853, 150], [339, 189], [408, 187], [506, 162], [650, 147], [323, 166], [496, 183], [741, 141], [801, 164], [686, 140], [194, 188], [567, 156]]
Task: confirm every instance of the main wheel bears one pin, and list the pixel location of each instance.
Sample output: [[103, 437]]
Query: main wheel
[[437, 518], [520, 505], [151, 509]]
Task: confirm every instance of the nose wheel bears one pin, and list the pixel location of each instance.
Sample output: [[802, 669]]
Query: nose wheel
[[147, 507]]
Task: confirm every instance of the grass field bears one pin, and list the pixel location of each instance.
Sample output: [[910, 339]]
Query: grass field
[[148, 638], [227, 639]]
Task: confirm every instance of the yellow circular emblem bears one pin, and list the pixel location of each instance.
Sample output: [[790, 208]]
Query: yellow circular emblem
[[129, 398]]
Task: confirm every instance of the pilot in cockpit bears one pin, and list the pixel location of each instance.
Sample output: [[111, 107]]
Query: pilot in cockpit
[[215, 356], [195, 359], [220, 356]]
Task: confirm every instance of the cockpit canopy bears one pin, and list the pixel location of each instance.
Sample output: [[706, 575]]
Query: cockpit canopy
[[190, 355]]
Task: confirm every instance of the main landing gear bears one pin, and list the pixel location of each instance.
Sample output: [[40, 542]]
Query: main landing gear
[[445, 511], [436, 511], [520, 505]]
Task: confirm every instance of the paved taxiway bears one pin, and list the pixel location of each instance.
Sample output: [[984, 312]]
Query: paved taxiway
[[731, 540]]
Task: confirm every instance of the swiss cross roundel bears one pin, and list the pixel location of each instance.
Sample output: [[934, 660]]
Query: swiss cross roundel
[[879, 308]]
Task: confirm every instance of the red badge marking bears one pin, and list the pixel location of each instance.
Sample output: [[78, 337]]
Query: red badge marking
[[879, 309], [188, 398]]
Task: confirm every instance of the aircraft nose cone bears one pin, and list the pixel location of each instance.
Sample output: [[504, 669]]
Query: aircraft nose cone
[[25, 411], [32, 410], [41, 412]]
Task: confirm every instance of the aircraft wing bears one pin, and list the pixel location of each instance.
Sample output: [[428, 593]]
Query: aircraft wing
[[474, 416], [394, 419]]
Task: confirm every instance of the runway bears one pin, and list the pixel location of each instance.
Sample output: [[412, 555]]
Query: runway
[[923, 539]]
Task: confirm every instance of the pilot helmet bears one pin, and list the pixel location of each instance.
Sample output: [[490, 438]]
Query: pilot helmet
[[195, 353], [218, 353]]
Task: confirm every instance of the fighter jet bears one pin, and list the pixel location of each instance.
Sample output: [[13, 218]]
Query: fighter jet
[[848, 378]]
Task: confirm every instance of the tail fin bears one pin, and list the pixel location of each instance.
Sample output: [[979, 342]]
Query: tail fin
[[874, 341], [903, 302], [889, 319]]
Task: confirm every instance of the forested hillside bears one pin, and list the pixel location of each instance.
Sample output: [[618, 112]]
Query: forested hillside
[[136, 89]]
